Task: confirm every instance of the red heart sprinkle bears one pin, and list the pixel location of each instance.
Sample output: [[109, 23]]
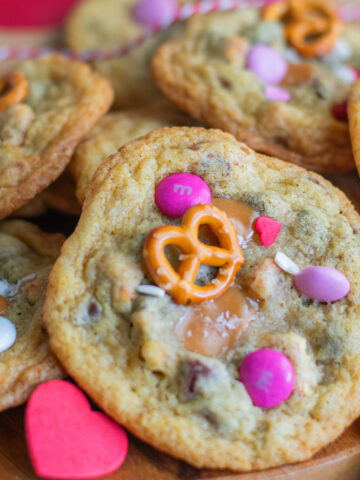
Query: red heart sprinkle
[[66, 439], [269, 229]]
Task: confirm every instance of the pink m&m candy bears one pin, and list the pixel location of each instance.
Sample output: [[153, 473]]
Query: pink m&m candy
[[155, 13], [324, 284], [178, 192], [266, 63], [276, 94], [268, 377]]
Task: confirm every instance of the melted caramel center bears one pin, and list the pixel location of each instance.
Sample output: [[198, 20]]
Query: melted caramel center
[[212, 328], [241, 215]]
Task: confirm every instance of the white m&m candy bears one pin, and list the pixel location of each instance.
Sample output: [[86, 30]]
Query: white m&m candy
[[7, 334]]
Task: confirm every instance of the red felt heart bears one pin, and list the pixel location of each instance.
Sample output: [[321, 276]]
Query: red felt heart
[[269, 229], [66, 439]]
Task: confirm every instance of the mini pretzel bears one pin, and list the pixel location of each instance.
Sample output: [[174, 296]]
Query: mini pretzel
[[180, 285], [17, 90], [312, 27]]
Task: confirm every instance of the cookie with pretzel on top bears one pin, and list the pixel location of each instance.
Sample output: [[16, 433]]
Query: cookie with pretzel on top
[[277, 78], [46, 107], [211, 301]]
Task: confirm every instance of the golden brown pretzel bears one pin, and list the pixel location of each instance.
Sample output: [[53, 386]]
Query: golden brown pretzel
[[17, 90], [312, 26], [180, 285]]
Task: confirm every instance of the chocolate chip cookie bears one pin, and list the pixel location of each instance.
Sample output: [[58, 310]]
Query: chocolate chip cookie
[[237, 71], [27, 255], [180, 375], [62, 100]]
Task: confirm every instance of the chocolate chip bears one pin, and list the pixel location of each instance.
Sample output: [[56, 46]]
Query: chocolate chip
[[318, 88], [307, 302], [94, 309], [245, 150], [225, 83], [195, 369], [315, 180], [196, 146], [211, 417]]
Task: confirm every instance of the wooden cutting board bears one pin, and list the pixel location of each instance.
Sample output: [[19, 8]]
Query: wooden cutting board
[[338, 461]]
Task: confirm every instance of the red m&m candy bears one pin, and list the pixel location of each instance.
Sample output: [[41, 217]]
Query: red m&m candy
[[268, 376], [176, 193]]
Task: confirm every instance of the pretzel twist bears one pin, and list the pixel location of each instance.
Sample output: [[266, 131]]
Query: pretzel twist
[[17, 90], [180, 285], [311, 26]]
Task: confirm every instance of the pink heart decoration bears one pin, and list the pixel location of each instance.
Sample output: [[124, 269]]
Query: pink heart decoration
[[66, 439], [269, 229]]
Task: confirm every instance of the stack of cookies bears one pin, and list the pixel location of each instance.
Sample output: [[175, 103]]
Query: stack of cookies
[[208, 299]]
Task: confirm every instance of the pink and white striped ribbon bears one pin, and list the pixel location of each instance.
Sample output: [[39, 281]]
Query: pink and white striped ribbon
[[350, 12], [187, 11]]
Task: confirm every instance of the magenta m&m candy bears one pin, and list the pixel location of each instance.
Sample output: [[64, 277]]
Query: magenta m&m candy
[[266, 63], [324, 284], [268, 377], [155, 13], [176, 193]]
